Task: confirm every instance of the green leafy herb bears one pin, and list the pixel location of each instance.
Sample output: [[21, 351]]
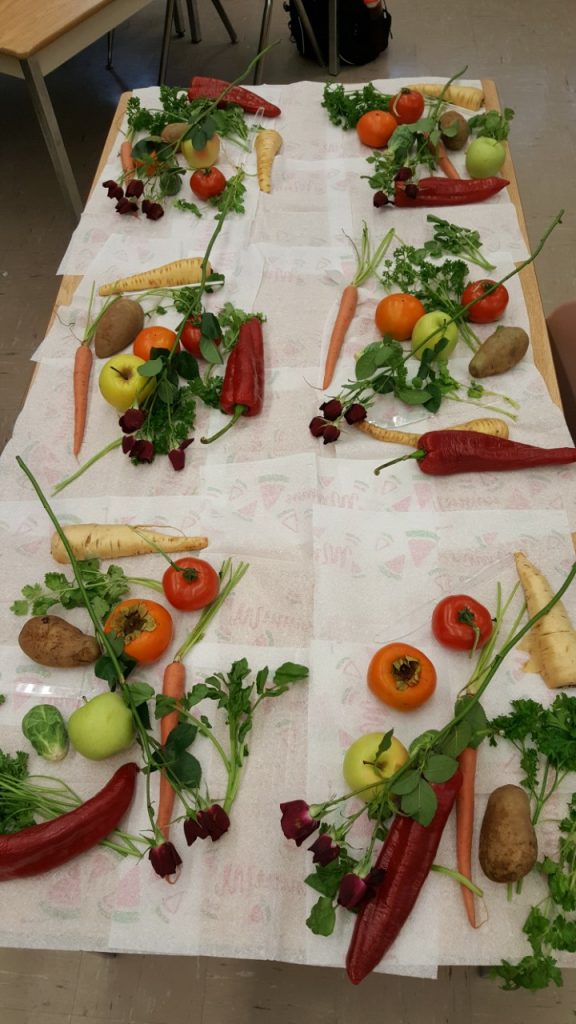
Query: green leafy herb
[[322, 917], [451, 239], [492, 124], [171, 417], [183, 204], [105, 588], [346, 108], [2, 699]]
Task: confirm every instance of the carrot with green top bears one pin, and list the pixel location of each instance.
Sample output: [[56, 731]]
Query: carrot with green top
[[366, 265]]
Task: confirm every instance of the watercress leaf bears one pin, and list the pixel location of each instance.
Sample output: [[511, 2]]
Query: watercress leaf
[[152, 368], [199, 692], [290, 673], [476, 718], [261, 680], [186, 768], [420, 803], [210, 351], [164, 705], [412, 396], [137, 693], [186, 365], [458, 739], [199, 138], [385, 743], [439, 768], [322, 917], [405, 784], [181, 737]]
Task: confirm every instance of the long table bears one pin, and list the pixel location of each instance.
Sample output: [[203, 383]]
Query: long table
[[341, 562]]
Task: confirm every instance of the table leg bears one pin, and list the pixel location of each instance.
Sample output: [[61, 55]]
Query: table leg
[[51, 132], [226, 21], [168, 17], [193, 17], [110, 48], [310, 31], [333, 59], [263, 40], [178, 27]]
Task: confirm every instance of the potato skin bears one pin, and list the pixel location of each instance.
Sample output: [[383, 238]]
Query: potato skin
[[500, 352], [173, 132], [458, 141], [118, 327], [50, 640], [508, 848]]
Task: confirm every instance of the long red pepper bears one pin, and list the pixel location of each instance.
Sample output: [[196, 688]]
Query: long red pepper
[[406, 856], [446, 191], [201, 88], [443, 452], [243, 385], [39, 848]]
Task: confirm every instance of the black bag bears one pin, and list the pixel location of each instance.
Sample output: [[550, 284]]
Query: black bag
[[363, 32]]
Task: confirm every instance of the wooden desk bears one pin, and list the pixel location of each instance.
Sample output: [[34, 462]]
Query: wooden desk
[[37, 38]]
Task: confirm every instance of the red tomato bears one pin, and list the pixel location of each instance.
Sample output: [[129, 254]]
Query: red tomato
[[487, 309], [152, 337], [462, 623], [194, 587], [144, 627], [407, 107], [191, 335], [207, 183]]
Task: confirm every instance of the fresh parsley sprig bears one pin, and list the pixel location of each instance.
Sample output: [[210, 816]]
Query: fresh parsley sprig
[[346, 108]]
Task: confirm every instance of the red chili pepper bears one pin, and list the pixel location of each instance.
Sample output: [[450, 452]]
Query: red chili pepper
[[39, 848], [243, 385], [406, 857], [443, 452], [201, 88], [446, 191]]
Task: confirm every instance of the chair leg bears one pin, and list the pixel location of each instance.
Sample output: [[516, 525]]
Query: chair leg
[[333, 59], [310, 31], [178, 27], [225, 21], [193, 18], [263, 40], [168, 18], [110, 46]]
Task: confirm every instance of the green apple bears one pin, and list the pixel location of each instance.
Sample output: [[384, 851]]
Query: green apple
[[101, 727], [121, 384], [359, 774], [484, 157], [429, 329], [205, 157]]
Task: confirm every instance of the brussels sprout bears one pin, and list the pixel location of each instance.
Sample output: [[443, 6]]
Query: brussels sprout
[[45, 728]]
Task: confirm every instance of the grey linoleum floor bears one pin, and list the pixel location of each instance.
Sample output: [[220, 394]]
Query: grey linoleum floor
[[529, 48]]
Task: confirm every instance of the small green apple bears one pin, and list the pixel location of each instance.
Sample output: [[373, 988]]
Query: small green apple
[[101, 727], [358, 774], [429, 329], [484, 157], [121, 384], [200, 158]]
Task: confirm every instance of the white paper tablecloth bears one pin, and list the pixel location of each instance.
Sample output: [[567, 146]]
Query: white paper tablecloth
[[341, 562]]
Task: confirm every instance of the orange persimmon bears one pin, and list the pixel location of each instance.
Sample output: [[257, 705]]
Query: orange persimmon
[[401, 676]]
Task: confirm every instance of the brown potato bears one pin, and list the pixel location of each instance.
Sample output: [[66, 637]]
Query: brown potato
[[459, 140], [118, 327], [49, 640], [508, 848], [174, 132], [500, 352]]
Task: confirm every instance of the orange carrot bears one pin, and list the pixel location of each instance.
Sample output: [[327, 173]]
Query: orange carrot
[[172, 686], [465, 826], [82, 369], [344, 318], [445, 164], [366, 264], [127, 161]]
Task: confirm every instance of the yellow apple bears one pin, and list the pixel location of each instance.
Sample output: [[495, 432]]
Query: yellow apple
[[101, 727], [198, 158], [359, 775], [121, 384]]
